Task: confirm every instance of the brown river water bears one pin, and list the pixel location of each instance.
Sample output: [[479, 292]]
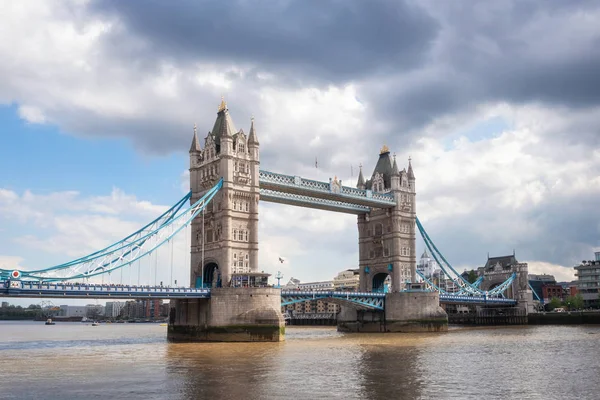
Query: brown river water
[[134, 361]]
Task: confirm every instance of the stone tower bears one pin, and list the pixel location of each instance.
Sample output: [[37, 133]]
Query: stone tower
[[224, 237], [387, 236]]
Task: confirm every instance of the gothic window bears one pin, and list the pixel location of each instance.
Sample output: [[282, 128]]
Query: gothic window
[[243, 167], [378, 229], [241, 236], [247, 257], [235, 166], [386, 251], [368, 232], [235, 205], [240, 264], [378, 185], [209, 236], [234, 256], [247, 206], [235, 234], [389, 228], [241, 148], [246, 236]]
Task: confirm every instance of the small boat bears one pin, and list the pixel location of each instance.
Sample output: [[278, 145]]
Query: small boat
[[50, 322], [95, 323]]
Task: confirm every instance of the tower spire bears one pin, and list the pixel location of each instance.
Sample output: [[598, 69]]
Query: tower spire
[[195, 147], [361, 179], [395, 171], [252, 135], [411, 174], [223, 105]]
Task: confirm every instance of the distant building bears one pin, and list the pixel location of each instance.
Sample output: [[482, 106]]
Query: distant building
[[145, 309], [588, 280], [94, 310], [72, 311], [348, 280], [537, 282], [5, 304], [112, 309], [427, 265], [550, 291]]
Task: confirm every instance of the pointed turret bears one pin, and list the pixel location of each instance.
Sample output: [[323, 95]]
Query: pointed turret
[[395, 171], [411, 174], [195, 147], [361, 179], [395, 176], [223, 126], [252, 139]]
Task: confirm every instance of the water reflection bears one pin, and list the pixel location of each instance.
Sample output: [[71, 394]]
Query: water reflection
[[134, 361], [390, 370]]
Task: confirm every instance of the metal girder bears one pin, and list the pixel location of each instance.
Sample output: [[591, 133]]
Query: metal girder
[[365, 300], [311, 202]]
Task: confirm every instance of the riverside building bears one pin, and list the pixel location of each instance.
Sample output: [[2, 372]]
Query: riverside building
[[588, 280]]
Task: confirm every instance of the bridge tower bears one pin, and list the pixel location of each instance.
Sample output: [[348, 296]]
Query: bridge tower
[[387, 249], [225, 245], [225, 238], [387, 236]]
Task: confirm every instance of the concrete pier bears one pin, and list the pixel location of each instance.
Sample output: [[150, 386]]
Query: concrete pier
[[230, 315], [404, 312]]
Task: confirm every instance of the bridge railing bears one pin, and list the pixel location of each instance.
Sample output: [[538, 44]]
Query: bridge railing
[[95, 288]]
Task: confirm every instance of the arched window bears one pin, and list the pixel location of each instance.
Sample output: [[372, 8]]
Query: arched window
[[378, 229], [235, 234], [247, 257], [247, 206]]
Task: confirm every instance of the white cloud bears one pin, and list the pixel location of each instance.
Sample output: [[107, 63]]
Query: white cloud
[[10, 262], [561, 273]]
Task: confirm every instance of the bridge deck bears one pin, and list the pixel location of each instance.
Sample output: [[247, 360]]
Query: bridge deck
[[370, 300]]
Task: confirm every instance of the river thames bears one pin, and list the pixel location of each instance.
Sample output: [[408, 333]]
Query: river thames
[[134, 361]]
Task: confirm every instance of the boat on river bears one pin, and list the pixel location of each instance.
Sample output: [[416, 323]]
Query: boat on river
[[50, 322]]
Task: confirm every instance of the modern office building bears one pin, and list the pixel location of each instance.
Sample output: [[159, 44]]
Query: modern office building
[[113, 308], [347, 280], [588, 280]]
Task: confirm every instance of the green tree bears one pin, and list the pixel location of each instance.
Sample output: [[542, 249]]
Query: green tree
[[574, 302], [555, 302], [472, 277]]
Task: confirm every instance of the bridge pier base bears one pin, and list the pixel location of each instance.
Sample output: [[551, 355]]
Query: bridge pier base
[[404, 312], [230, 315]]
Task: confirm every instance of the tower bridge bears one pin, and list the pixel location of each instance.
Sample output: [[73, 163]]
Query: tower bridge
[[229, 299]]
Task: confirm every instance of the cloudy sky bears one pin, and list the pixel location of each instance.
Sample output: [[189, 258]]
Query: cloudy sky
[[497, 103]]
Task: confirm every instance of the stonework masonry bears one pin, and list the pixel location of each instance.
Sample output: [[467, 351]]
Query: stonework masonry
[[230, 315], [387, 236]]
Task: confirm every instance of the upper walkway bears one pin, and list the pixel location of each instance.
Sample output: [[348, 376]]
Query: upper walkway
[[332, 196]]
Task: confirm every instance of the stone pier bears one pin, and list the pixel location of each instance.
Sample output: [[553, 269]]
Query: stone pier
[[404, 312], [230, 315]]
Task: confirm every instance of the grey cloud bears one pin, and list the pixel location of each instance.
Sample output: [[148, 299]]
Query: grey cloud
[[332, 40]]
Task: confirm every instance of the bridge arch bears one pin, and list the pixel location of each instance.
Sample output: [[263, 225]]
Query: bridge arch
[[209, 275], [379, 282]]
